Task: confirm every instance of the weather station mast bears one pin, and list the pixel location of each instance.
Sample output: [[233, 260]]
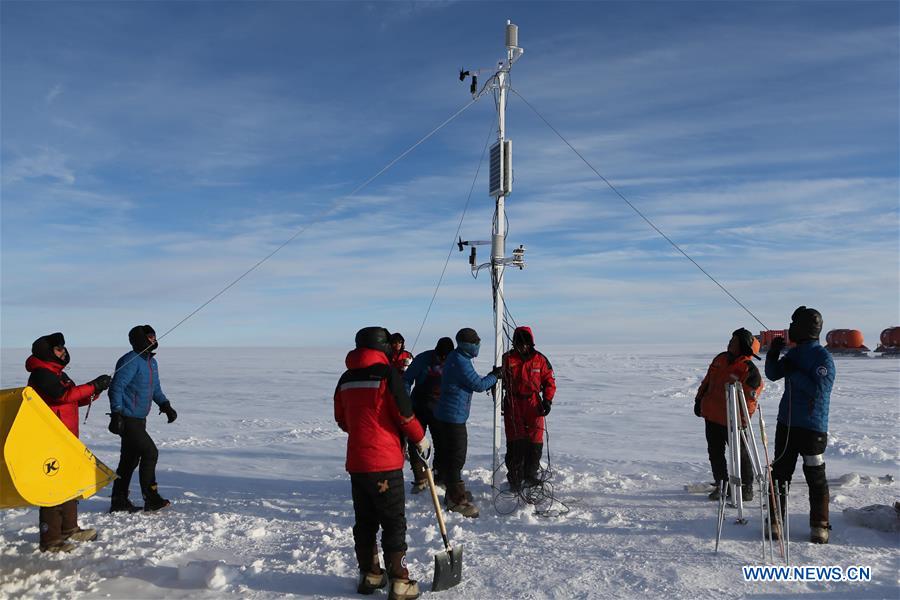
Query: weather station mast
[[499, 187]]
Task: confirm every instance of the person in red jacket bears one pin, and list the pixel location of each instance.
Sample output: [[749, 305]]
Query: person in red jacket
[[49, 356], [400, 356], [733, 365], [372, 406], [529, 388]]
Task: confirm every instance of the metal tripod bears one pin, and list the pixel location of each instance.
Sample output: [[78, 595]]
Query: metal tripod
[[740, 433]]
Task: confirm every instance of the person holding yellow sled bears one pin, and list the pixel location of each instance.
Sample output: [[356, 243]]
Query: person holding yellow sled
[[135, 387], [49, 356]]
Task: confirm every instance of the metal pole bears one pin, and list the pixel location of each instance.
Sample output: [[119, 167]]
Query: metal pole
[[749, 441], [498, 252], [787, 525]]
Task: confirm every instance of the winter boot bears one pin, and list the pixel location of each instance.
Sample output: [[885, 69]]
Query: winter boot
[[747, 492], [50, 522], [459, 500], [122, 504], [818, 503], [417, 487], [371, 576], [69, 524], [401, 586], [818, 519], [818, 532], [153, 501], [80, 535], [58, 546], [716, 493], [369, 582]]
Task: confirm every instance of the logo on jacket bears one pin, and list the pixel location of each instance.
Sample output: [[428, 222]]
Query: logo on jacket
[[51, 467], [383, 486], [822, 371]]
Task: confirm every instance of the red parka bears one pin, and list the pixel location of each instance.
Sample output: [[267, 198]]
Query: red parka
[[724, 370], [401, 360], [58, 391], [525, 379], [371, 404]]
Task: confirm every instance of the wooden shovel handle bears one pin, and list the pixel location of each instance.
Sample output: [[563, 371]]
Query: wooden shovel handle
[[437, 506]]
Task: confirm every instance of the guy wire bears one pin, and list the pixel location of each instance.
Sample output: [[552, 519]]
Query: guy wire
[[455, 236], [334, 205], [637, 210]]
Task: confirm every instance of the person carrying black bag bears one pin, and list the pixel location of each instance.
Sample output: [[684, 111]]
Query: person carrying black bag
[[134, 386]]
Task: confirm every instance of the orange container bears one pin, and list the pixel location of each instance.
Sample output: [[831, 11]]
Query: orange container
[[890, 337], [853, 339], [844, 338]]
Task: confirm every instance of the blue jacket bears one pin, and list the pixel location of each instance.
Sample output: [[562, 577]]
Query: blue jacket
[[417, 371], [457, 384], [134, 384], [807, 387]]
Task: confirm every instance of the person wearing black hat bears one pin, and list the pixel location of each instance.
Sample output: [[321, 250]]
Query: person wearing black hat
[[733, 365], [49, 356], [400, 357], [802, 430], [423, 383], [372, 406], [458, 382], [135, 387]]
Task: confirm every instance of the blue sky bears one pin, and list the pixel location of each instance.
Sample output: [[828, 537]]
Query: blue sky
[[153, 151]]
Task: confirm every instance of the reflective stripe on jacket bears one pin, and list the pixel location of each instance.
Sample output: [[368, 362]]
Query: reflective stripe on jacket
[[371, 405]]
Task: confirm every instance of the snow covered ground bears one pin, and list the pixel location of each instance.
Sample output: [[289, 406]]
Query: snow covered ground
[[254, 466]]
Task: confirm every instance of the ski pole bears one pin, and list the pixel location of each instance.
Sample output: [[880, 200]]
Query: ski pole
[[772, 499], [787, 525]]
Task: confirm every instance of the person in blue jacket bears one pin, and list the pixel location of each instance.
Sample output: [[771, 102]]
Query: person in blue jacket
[[135, 386], [802, 430], [458, 382], [423, 384]]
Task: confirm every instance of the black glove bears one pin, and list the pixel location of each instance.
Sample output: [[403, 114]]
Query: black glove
[[116, 423], [101, 383], [697, 407], [170, 412], [546, 405], [777, 345], [497, 372]]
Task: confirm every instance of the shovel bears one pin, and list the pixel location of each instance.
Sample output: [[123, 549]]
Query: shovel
[[447, 564]]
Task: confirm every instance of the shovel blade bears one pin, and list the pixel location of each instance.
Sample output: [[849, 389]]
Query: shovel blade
[[447, 569]]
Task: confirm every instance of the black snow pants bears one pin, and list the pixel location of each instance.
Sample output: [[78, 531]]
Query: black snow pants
[[791, 442], [716, 442], [426, 418], [378, 501], [454, 443], [137, 449]]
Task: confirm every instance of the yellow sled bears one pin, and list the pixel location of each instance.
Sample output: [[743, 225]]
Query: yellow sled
[[43, 463]]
